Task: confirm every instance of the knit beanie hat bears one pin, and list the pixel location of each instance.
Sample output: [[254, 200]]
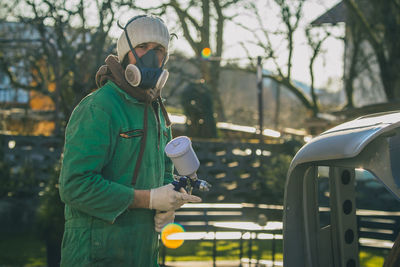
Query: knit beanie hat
[[143, 29]]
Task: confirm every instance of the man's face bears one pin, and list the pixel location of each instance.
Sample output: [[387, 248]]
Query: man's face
[[142, 50]]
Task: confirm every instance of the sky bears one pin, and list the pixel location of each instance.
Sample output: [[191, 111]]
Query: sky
[[328, 67], [328, 70]]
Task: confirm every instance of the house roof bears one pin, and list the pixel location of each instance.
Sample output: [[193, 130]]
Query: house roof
[[336, 14]]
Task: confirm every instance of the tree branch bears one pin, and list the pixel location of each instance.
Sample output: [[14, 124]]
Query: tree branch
[[195, 46], [295, 90], [375, 41], [13, 78]]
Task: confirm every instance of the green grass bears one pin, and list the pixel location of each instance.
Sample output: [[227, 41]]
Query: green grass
[[229, 250], [372, 257], [27, 250], [23, 249], [226, 250]]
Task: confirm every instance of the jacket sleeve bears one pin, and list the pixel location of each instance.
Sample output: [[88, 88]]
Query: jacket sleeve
[[88, 146], [169, 167]]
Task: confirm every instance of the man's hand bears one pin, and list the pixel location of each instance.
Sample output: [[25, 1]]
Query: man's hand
[[163, 218], [165, 198]]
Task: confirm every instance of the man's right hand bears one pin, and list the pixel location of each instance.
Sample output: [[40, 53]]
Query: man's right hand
[[165, 198]]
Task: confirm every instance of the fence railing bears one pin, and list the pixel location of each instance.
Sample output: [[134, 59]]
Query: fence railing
[[231, 167], [235, 170]]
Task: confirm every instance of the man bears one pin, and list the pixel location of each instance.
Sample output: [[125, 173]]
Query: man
[[115, 178]]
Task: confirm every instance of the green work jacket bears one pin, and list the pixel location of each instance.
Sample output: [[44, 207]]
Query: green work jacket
[[102, 143]]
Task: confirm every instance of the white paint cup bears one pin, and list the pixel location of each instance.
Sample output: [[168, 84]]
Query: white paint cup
[[180, 151]]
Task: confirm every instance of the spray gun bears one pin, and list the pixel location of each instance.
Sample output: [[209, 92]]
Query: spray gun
[[180, 151]]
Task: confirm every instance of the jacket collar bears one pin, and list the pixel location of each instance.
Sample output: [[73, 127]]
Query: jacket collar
[[123, 93]]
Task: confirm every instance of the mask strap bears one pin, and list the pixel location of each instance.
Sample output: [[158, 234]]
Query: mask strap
[[163, 62], [129, 41], [127, 37], [131, 47]]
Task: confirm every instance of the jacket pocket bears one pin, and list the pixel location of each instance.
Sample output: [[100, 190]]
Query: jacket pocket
[[127, 148], [75, 248], [123, 245], [132, 133]]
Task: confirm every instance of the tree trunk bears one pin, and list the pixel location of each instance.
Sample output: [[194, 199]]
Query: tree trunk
[[214, 85]]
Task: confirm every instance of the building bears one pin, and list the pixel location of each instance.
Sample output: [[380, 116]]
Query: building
[[361, 69], [22, 111]]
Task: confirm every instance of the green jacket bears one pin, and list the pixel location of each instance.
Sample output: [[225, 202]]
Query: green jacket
[[102, 143]]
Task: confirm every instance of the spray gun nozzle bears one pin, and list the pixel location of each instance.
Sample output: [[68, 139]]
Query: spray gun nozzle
[[202, 185]]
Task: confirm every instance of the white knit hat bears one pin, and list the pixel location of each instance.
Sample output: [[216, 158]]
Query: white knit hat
[[143, 29]]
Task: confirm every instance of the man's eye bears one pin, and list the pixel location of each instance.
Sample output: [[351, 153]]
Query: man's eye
[[159, 49]]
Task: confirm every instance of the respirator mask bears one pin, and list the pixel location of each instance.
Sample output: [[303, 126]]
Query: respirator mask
[[146, 74]]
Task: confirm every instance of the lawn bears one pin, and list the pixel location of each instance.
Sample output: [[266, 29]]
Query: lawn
[[23, 249], [229, 250], [226, 250], [372, 257], [27, 250]]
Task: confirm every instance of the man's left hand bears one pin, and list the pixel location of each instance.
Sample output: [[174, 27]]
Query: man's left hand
[[163, 218]]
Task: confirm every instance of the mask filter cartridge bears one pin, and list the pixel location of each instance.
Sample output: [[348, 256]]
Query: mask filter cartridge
[[132, 75], [145, 77], [146, 74]]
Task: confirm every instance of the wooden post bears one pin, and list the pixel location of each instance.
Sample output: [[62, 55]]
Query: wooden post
[[260, 96]]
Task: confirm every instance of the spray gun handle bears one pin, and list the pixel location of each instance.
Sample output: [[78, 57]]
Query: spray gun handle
[[181, 183], [188, 184]]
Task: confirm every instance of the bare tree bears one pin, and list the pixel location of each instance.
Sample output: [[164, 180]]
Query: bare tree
[[61, 49], [199, 32], [290, 15], [315, 42], [379, 22], [351, 72]]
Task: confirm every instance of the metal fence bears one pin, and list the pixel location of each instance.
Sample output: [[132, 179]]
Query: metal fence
[[235, 170], [231, 167]]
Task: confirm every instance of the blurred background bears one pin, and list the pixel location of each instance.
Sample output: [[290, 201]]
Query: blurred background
[[250, 81]]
